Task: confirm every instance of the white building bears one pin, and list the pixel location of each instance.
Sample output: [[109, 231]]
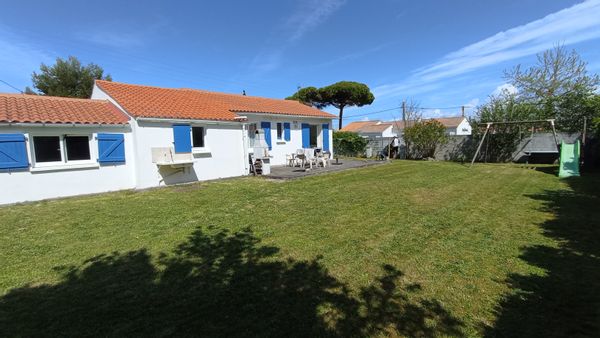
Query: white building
[[131, 136], [455, 126]]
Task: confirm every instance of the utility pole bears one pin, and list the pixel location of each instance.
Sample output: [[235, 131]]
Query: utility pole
[[404, 113]]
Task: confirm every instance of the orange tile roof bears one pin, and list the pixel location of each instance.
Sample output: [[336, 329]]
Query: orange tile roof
[[378, 126], [147, 101], [449, 122], [357, 126], [367, 126], [20, 108]]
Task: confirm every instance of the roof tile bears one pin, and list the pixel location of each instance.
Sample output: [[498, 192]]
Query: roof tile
[[20, 108], [157, 102]]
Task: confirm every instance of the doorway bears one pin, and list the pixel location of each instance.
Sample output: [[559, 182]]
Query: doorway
[[314, 136]]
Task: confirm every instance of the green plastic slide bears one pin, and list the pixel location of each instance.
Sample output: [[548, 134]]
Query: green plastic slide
[[569, 159]]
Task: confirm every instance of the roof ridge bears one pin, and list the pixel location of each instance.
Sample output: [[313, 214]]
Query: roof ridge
[[198, 90], [50, 97]]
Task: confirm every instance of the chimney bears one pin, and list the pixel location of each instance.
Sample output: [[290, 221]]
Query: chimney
[[244, 92]]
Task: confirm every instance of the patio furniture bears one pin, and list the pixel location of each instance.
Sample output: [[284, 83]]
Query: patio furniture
[[290, 160], [311, 158], [324, 159]]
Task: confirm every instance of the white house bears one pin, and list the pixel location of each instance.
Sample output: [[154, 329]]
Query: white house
[[54, 147], [372, 129], [141, 136], [455, 126]]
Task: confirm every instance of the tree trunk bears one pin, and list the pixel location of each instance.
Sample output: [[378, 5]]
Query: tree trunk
[[341, 116]]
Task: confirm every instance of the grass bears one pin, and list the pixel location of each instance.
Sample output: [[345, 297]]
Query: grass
[[404, 249]]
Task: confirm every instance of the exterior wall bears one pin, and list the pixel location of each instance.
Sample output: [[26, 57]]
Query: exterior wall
[[389, 133], [282, 147], [464, 128], [37, 183], [222, 156]]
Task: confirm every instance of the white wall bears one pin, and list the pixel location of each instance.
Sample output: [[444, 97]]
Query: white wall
[[389, 133], [32, 185], [464, 128], [282, 147], [223, 155]]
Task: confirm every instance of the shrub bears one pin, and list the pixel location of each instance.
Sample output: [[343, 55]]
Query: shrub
[[347, 143], [424, 137]]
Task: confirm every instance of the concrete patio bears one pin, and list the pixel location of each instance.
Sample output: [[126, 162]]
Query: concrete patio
[[285, 172]]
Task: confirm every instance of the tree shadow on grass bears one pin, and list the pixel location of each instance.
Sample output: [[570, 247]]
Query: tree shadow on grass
[[565, 301], [217, 284]]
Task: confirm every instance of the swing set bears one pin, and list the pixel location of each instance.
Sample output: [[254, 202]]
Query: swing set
[[490, 125]]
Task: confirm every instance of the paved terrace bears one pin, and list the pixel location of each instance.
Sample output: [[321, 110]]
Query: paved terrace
[[285, 172]]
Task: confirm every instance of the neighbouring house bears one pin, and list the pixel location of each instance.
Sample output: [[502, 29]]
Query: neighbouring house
[[381, 133], [455, 126], [372, 129], [141, 136]]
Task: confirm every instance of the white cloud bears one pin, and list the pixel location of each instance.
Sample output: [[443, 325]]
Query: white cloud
[[305, 19], [472, 103], [311, 15], [504, 88], [568, 26]]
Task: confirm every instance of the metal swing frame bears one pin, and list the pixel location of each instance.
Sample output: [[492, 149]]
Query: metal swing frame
[[490, 124]]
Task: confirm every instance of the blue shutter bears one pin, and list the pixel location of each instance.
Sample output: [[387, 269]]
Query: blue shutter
[[266, 126], [182, 134], [111, 148], [13, 151], [305, 135], [325, 136], [287, 135]]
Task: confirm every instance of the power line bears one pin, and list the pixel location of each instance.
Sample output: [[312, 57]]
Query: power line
[[11, 86], [400, 107], [371, 113]]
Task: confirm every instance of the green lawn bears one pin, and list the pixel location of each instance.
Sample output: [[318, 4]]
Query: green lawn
[[408, 249]]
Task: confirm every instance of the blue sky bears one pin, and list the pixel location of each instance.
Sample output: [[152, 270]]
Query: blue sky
[[438, 53]]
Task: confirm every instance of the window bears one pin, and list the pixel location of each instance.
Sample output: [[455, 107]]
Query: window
[[64, 148], [78, 148], [252, 134], [198, 137], [47, 149], [279, 130]]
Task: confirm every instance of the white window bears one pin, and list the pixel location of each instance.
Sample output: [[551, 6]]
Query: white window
[[77, 148], [198, 137], [47, 149], [279, 130], [51, 150]]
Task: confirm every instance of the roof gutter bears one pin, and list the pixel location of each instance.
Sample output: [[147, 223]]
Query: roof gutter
[[290, 115], [45, 124], [170, 120]]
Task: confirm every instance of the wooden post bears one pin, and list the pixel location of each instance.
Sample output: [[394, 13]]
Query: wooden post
[[554, 133], [583, 136], [487, 128]]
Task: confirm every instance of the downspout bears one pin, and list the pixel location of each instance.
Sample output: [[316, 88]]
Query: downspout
[[245, 147]]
